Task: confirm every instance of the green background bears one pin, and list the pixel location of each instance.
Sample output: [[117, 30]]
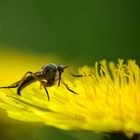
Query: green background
[[79, 31]]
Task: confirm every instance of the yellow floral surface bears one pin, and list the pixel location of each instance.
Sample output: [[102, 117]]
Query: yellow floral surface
[[108, 100]]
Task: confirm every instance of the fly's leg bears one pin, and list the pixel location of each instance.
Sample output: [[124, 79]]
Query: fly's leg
[[78, 75], [74, 75], [16, 84], [68, 87], [40, 86], [43, 83], [19, 84]]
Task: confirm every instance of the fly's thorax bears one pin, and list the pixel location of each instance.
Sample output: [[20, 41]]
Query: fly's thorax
[[50, 73]]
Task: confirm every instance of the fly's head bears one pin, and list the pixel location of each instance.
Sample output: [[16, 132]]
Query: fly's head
[[60, 69]]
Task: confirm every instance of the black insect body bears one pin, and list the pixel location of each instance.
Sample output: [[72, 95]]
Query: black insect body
[[47, 76]]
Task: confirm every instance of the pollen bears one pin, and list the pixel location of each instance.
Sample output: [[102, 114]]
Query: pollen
[[108, 100]]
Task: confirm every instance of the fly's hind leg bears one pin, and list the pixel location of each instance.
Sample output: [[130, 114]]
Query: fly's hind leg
[[18, 83], [42, 83], [14, 85]]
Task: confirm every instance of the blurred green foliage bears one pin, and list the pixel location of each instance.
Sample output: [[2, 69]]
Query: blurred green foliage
[[77, 30], [80, 31]]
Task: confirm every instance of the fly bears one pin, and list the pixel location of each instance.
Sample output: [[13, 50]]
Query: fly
[[47, 76]]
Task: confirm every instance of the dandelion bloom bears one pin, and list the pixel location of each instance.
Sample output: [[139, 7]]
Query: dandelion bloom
[[108, 100]]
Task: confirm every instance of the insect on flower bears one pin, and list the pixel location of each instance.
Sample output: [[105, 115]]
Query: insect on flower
[[47, 76]]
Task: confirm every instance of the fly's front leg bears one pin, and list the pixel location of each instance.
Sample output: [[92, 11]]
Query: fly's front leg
[[78, 75], [68, 88]]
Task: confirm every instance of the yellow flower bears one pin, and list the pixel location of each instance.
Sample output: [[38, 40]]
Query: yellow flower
[[107, 101]]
